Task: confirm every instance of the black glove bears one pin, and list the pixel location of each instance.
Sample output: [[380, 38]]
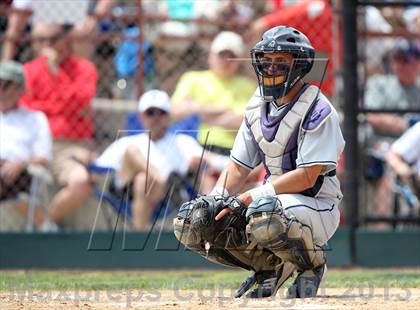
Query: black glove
[[207, 207], [228, 231]]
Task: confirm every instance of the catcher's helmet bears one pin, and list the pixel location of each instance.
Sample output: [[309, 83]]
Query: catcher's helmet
[[282, 39]]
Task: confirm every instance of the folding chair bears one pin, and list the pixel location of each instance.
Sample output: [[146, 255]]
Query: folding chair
[[406, 202], [179, 187], [38, 194], [183, 193], [41, 182], [188, 126]]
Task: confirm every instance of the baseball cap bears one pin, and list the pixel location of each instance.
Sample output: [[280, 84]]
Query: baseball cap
[[11, 71], [406, 49], [154, 99], [228, 41]]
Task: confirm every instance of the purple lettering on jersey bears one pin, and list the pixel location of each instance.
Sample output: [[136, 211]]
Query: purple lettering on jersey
[[317, 114]]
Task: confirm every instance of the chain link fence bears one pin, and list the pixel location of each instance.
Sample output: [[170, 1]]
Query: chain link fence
[[389, 52], [88, 103]]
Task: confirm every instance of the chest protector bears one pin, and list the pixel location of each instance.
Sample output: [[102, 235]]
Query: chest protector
[[277, 137]]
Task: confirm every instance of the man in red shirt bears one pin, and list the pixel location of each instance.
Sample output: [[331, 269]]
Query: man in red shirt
[[62, 86]]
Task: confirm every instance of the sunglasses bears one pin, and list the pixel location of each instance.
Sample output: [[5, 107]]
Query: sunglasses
[[5, 84], [226, 54], [153, 112], [51, 39]]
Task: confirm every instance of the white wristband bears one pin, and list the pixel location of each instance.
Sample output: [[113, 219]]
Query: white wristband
[[262, 191], [219, 191]]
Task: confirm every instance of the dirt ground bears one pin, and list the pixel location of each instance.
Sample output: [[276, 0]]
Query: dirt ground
[[348, 298]]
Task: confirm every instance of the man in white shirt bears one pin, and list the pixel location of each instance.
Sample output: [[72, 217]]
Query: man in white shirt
[[25, 136], [143, 162], [404, 157]]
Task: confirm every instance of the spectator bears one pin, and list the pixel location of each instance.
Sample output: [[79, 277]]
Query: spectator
[[126, 65], [411, 18], [233, 12], [85, 30], [83, 14], [218, 95], [404, 158], [17, 20], [376, 48], [62, 86], [145, 169], [399, 90], [24, 138]]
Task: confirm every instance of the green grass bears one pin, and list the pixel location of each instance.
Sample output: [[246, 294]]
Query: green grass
[[114, 280]]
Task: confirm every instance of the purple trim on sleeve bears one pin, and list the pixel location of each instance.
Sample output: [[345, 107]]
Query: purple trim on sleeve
[[317, 114]]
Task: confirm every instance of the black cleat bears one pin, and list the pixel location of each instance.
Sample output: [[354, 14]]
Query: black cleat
[[307, 283], [266, 285], [268, 282], [245, 286]]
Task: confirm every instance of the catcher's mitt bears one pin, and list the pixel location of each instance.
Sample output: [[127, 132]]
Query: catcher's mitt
[[227, 232]]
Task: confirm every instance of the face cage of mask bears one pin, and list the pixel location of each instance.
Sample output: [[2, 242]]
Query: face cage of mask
[[275, 91]]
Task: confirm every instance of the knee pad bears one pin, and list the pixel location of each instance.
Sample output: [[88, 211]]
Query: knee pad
[[266, 220], [282, 234]]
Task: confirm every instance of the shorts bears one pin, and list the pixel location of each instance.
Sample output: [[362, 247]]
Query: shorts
[[64, 164]]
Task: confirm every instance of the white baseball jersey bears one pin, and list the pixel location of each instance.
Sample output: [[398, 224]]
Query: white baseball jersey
[[407, 146], [319, 142], [320, 147]]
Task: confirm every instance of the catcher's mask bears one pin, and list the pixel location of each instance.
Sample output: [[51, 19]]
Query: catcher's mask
[[276, 78]]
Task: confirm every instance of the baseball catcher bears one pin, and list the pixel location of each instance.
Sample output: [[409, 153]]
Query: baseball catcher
[[278, 229]]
